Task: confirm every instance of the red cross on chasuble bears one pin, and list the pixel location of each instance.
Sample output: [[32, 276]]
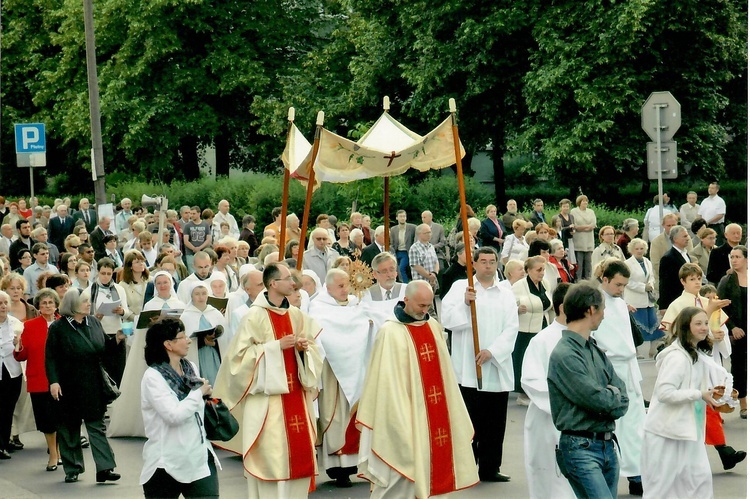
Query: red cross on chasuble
[[300, 445], [442, 474]]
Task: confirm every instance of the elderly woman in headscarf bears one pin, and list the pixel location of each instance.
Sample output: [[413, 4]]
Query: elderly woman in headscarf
[[127, 419], [201, 321]]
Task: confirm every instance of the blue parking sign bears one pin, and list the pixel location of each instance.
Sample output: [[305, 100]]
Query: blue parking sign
[[30, 138]]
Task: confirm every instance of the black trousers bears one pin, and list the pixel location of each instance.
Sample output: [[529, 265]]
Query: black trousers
[[69, 440], [114, 364], [739, 365], [162, 485], [488, 412], [10, 389]]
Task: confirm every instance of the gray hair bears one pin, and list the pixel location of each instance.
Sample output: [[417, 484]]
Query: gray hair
[[636, 241], [423, 227], [333, 274], [379, 230], [554, 244], [5, 295], [71, 303], [46, 293], [382, 257], [629, 223], [355, 233], [675, 231]]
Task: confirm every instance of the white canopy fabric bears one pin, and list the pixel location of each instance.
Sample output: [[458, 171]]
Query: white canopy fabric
[[385, 150]]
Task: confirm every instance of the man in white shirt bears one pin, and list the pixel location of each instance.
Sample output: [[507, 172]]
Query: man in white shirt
[[251, 283], [689, 211], [224, 216], [497, 320], [203, 271], [713, 209], [121, 219], [6, 238]]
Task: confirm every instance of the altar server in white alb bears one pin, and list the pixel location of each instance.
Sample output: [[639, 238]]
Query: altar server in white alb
[[346, 336], [540, 437], [416, 432], [614, 336], [497, 319]]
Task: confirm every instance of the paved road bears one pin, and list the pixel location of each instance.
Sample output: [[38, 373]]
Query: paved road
[[24, 475]]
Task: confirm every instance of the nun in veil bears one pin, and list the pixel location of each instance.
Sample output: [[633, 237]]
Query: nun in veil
[[209, 343], [126, 416]]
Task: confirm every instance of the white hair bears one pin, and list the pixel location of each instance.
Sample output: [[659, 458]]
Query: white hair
[[333, 274]]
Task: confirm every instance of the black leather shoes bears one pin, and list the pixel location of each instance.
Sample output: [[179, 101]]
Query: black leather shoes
[[343, 482], [729, 456], [635, 488], [71, 477], [107, 475], [15, 444], [4, 454], [495, 477]]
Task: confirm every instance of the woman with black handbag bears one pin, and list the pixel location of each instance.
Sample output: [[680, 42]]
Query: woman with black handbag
[[76, 347], [177, 458]]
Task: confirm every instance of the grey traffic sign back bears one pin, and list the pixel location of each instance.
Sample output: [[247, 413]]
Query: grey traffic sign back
[[670, 115], [668, 160]]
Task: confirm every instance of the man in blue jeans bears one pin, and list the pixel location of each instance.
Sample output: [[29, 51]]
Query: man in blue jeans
[[586, 397]]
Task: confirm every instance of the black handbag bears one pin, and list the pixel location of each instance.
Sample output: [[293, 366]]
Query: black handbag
[[636, 331], [219, 422], [109, 387]]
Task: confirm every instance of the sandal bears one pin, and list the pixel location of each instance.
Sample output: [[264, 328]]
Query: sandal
[[84, 442], [743, 413], [51, 467]]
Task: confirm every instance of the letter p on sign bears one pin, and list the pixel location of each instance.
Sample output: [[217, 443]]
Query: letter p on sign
[[30, 138]]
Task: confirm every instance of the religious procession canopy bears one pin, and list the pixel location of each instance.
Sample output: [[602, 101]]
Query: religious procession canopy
[[385, 150]]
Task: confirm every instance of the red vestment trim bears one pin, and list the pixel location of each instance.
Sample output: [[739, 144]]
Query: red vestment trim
[[300, 445], [442, 472], [351, 438]]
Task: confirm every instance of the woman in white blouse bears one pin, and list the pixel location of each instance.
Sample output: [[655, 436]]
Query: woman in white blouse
[[639, 294], [515, 246], [10, 371], [177, 457], [126, 415]]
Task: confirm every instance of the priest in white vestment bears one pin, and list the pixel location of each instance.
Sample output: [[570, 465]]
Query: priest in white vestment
[[268, 380], [416, 431], [346, 336], [540, 437], [614, 336]]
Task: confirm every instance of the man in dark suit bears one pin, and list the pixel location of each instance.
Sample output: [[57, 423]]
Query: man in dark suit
[[670, 286], [402, 237], [718, 261], [24, 241], [537, 216], [87, 214], [60, 226], [96, 236], [377, 246]]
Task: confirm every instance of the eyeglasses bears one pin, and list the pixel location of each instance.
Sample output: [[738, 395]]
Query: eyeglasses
[[74, 247]]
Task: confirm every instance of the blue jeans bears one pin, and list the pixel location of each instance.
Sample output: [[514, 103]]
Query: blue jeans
[[591, 466], [404, 270]]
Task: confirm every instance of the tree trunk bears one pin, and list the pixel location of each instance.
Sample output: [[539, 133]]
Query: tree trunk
[[221, 143], [189, 154], [498, 168]]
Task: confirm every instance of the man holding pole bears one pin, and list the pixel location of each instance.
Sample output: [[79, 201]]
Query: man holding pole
[[497, 320]]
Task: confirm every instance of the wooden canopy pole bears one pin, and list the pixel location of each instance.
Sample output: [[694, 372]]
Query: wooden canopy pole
[[386, 192], [467, 238], [285, 192], [310, 184]]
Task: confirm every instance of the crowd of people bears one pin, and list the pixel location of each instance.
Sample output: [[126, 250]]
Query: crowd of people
[[363, 361]]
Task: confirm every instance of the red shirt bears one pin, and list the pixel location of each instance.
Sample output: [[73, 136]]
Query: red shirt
[[33, 341]]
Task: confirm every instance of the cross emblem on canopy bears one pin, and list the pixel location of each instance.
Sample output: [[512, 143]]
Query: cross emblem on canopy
[[426, 352], [391, 157], [290, 382], [296, 424], [434, 395], [441, 437]]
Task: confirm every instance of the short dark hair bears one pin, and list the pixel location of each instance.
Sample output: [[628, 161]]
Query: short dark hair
[[83, 246], [484, 250], [400, 212], [54, 281], [270, 273], [105, 263], [276, 212], [38, 247], [558, 296], [247, 219], [579, 299], [20, 222], [109, 238], [614, 268], [162, 330], [697, 225], [536, 247]]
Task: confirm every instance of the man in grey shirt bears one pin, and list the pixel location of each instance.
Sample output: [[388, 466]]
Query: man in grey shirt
[[586, 397]]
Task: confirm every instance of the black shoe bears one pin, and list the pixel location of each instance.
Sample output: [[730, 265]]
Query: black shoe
[[84, 442], [495, 477], [71, 477], [635, 488], [103, 476], [4, 454], [52, 467], [729, 456], [15, 443], [343, 482]]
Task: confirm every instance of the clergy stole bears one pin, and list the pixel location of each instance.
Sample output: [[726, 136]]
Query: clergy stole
[[442, 475], [300, 446]]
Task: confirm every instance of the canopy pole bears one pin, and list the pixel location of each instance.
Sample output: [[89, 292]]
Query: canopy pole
[[310, 185], [285, 192], [386, 193], [467, 238]]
